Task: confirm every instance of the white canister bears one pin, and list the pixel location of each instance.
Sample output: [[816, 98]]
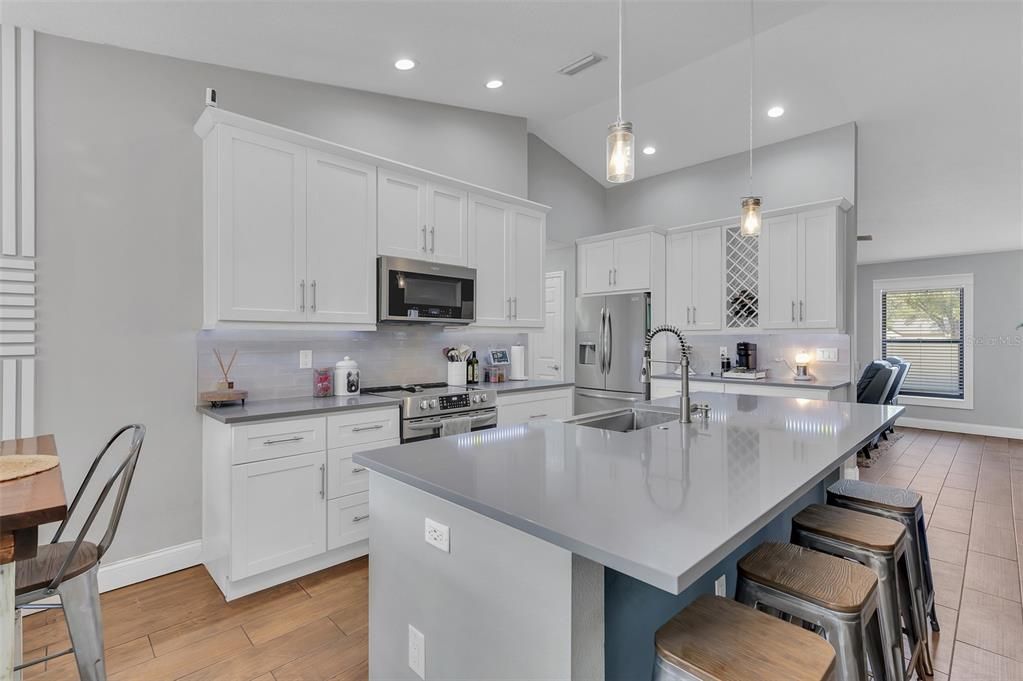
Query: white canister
[[346, 377], [456, 373]]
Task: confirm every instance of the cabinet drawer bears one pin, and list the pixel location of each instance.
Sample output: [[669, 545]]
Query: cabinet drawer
[[542, 407], [347, 520], [262, 441], [344, 476], [361, 426]]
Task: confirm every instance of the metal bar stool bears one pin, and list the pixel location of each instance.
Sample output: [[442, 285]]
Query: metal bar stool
[[903, 505], [715, 639], [881, 545], [836, 597], [68, 569]]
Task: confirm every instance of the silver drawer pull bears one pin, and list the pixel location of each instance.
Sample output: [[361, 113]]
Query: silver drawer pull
[[359, 469], [538, 416], [359, 429], [360, 518], [297, 438]]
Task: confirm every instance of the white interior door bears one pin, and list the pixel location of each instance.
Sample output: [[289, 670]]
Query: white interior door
[[632, 263], [679, 280], [402, 216], [448, 225], [818, 278], [528, 238], [779, 290], [341, 240], [262, 228], [595, 263], [707, 264], [490, 257], [547, 347]]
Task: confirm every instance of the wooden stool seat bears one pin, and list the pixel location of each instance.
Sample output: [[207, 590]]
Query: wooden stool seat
[[717, 639], [830, 582], [38, 572], [884, 496], [853, 527]]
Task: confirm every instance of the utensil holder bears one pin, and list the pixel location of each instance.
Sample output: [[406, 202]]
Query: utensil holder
[[456, 373]]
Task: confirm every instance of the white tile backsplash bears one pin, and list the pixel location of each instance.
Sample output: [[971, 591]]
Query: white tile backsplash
[[705, 355]]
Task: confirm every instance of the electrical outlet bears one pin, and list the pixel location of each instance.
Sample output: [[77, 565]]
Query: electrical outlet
[[438, 535], [723, 351], [827, 354], [721, 586], [417, 651], [305, 359]]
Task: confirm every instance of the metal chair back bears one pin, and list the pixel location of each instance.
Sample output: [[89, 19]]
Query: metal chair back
[[124, 472]]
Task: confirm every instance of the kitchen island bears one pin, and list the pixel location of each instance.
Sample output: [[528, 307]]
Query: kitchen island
[[568, 545]]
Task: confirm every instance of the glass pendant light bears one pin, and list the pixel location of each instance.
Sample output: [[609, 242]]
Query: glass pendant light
[[749, 217], [621, 144]]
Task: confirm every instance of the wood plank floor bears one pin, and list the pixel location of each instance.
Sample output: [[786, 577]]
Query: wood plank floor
[[972, 488], [179, 627]]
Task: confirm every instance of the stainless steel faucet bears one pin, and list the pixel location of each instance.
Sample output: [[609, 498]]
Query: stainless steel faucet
[[685, 414]]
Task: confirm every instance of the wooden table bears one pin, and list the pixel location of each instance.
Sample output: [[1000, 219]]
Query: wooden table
[[25, 504]]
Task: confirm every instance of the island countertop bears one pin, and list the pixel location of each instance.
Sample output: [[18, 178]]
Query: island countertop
[[662, 504]]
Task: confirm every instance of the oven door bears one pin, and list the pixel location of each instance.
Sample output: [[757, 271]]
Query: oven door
[[417, 292], [428, 427]]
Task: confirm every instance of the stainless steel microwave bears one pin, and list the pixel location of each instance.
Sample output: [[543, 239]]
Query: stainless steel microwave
[[417, 292]]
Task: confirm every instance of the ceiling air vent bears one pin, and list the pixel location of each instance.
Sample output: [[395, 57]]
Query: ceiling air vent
[[592, 59]]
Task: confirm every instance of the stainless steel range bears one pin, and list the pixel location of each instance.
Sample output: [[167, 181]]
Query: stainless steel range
[[425, 408]]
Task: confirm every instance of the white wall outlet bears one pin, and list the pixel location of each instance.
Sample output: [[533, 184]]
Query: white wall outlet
[[305, 359], [827, 354], [723, 351], [721, 586], [417, 651], [438, 535]]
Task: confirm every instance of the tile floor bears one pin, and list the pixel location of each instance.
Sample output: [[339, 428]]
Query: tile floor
[[972, 488]]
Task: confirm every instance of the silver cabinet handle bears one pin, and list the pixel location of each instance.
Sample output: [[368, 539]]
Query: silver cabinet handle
[[433, 240], [323, 481], [509, 308], [313, 285], [359, 469], [301, 287], [515, 312], [694, 314], [424, 239], [538, 416], [688, 311], [800, 310], [360, 518], [359, 429], [556, 367], [609, 277], [296, 438], [615, 270], [793, 310]]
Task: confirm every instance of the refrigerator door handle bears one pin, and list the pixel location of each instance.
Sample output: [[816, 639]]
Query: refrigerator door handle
[[600, 342], [610, 341]]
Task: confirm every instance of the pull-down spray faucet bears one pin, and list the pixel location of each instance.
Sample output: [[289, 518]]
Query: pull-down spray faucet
[[685, 406]]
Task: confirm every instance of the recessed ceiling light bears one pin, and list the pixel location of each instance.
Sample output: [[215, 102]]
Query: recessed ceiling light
[[494, 84], [404, 64], [775, 111], [648, 150]]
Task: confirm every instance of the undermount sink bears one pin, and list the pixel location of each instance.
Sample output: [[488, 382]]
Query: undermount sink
[[623, 420]]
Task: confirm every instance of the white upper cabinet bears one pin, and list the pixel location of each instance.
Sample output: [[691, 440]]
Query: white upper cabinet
[[260, 243], [801, 270], [422, 220], [619, 263], [695, 279], [341, 240], [508, 252]]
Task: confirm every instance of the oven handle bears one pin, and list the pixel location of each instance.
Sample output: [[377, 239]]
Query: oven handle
[[432, 425]]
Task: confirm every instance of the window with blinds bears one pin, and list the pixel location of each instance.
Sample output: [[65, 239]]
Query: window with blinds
[[925, 327]]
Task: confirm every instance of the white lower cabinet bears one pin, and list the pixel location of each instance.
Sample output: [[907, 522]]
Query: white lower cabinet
[[541, 405], [278, 504]]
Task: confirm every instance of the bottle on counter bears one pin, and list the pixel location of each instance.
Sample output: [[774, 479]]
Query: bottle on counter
[[472, 369]]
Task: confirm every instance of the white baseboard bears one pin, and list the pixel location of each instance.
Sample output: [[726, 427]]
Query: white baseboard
[[959, 427], [149, 565]]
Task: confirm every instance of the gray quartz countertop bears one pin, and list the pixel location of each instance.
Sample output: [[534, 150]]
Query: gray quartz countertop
[[662, 504], [525, 386], [262, 410], [781, 381]]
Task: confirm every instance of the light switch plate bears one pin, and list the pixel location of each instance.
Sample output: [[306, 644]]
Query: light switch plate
[[417, 651], [438, 535], [827, 354], [721, 586], [305, 359]]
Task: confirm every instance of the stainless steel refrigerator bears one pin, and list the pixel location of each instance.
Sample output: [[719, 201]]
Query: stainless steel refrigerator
[[609, 334]]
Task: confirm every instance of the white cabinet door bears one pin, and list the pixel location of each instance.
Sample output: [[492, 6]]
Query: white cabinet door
[[488, 222], [262, 228], [402, 216], [679, 279], [779, 265], [708, 280], [631, 263], [341, 240], [526, 248], [448, 226], [818, 276], [278, 513], [595, 262]]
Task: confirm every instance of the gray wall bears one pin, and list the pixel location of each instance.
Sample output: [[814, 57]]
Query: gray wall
[[119, 242], [805, 169], [997, 309]]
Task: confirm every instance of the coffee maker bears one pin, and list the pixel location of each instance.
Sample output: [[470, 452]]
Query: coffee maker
[[746, 356]]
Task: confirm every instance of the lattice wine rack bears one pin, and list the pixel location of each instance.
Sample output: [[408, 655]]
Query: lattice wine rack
[[742, 276]]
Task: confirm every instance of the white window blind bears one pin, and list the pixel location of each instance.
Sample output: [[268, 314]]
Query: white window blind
[[925, 327]]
